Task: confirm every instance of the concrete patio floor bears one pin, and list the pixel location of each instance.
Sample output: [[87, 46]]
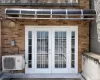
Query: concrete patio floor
[[21, 76]]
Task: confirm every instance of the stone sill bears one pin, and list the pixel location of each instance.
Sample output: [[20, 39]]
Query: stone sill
[[92, 56]]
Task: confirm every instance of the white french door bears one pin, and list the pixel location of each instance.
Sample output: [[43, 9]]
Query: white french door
[[51, 49], [59, 50], [42, 50]]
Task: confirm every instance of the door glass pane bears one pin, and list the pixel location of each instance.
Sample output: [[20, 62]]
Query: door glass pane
[[30, 56], [73, 49], [30, 34], [42, 49], [60, 49], [30, 49]]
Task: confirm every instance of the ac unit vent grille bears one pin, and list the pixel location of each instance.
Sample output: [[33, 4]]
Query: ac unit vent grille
[[9, 63]]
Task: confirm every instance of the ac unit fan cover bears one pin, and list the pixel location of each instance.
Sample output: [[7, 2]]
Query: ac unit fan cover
[[9, 63]]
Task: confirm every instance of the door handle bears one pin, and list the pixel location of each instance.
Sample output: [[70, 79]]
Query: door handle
[[48, 51]]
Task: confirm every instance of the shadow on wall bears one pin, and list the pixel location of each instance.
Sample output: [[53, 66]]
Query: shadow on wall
[[94, 44]]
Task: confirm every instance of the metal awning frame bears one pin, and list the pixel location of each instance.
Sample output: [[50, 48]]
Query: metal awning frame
[[51, 14]]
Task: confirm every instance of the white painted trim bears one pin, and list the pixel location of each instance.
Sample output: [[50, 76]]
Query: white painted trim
[[69, 50], [76, 49], [51, 26]]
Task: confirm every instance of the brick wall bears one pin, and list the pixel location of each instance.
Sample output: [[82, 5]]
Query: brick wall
[[18, 34], [82, 3]]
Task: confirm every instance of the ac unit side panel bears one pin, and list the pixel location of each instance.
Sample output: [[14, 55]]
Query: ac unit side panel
[[20, 63]]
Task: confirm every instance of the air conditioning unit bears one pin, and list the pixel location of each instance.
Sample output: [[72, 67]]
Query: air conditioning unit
[[13, 62]]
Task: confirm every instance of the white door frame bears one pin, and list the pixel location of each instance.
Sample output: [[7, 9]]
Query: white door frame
[[68, 29]]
